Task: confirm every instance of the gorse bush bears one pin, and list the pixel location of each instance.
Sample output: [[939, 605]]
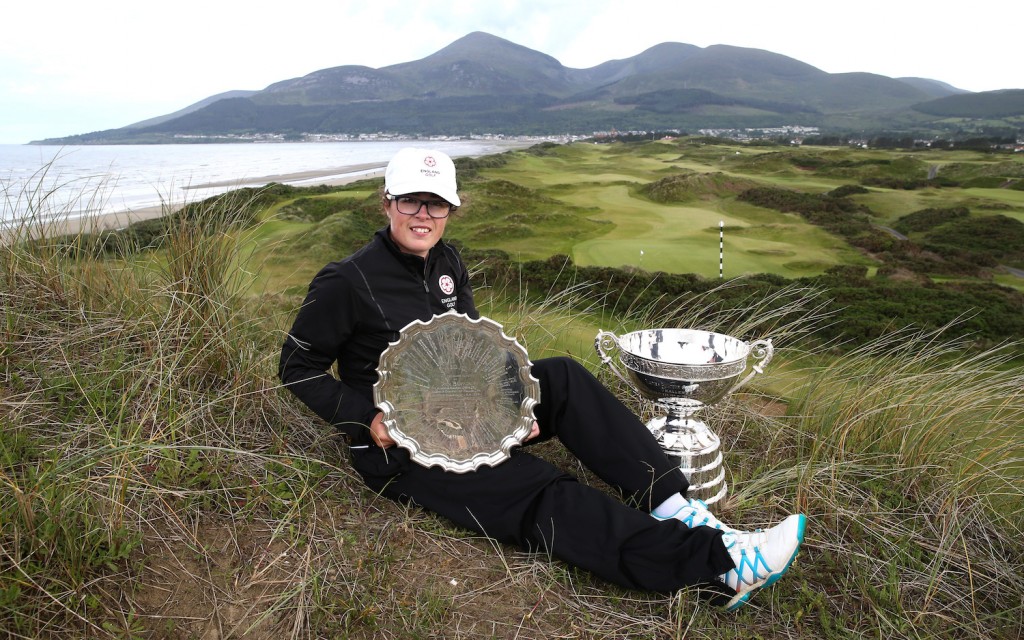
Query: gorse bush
[[927, 219], [988, 240], [690, 186]]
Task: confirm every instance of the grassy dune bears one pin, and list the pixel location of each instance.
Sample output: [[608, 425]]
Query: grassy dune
[[158, 483]]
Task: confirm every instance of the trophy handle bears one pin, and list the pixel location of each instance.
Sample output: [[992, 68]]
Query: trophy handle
[[608, 340], [762, 351]]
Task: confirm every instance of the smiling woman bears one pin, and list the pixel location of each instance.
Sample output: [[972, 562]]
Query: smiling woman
[[413, 224], [420, 195], [648, 538]]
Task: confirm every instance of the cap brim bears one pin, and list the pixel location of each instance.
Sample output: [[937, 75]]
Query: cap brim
[[405, 188]]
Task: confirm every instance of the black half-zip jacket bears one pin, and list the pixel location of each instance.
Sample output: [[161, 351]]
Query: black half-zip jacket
[[354, 308]]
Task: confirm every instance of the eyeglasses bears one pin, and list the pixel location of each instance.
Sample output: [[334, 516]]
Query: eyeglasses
[[411, 206]]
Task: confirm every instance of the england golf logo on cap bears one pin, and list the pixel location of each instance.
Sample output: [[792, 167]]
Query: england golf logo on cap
[[447, 285], [431, 170]]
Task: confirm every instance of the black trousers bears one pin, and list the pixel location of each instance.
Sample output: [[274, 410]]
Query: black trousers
[[528, 502]]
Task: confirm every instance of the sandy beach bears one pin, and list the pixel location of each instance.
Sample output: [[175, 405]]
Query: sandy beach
[[107, 221], [335, 176]]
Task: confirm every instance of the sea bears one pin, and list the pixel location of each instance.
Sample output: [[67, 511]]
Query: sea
[[38, 182]]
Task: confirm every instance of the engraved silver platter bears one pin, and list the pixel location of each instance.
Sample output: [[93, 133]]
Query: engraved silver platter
[[456, 392]]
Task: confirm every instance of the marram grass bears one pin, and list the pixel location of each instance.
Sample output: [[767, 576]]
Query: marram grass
[[919, 439]]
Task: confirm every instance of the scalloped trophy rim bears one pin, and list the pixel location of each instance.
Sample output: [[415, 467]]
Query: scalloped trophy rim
[[698, 332], [474, 462], [683, 386]]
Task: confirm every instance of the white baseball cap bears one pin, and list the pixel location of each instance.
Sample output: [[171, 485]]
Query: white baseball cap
[[413, 170]]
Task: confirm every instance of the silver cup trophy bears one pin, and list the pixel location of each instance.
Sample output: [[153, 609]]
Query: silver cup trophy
[[683, 371]]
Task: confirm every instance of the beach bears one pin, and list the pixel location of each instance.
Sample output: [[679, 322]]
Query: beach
[[92, 188], [117, 220]]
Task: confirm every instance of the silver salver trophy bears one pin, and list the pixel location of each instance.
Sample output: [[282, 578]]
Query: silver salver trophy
[[456, 392], [683, 371]]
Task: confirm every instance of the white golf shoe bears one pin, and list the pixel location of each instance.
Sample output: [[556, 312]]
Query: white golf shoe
[[761, 557], [695, 513]]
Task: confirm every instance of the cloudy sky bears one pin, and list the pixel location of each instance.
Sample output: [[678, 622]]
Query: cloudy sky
[[68, 66]]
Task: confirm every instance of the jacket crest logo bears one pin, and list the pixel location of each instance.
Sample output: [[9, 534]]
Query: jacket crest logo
[[447, 285]]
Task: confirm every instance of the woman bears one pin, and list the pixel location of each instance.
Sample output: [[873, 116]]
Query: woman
[[356, 306]]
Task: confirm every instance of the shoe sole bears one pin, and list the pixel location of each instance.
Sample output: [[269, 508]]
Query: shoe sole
[[774, 577]]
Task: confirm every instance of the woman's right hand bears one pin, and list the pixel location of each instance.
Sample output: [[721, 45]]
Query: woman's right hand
[[379, 432]]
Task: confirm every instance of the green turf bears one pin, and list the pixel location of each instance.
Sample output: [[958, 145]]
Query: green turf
[[681, 238], [587, 201]]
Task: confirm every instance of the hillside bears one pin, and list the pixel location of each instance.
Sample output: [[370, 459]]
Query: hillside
[[482, 83], [159, 482], [149, 122], [991, 104], [934, 88]]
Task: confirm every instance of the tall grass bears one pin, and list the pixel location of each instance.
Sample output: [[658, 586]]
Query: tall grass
[[155, 481], [134, 399], [919, 439]]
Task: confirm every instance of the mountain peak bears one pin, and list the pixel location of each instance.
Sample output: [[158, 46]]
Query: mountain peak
[[484, 47], [481, 38]]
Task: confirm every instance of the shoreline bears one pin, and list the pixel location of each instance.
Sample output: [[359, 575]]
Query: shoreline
[[338, 175], [77, 222], [97, 222]]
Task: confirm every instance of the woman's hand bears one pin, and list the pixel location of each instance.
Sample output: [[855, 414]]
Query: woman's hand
[[379, 432], [534, 431]]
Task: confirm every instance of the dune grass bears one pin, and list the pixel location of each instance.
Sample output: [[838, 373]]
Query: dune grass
[[158, 483]]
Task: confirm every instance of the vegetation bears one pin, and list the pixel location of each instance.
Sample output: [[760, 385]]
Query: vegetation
[[158, 482], [994, 104], [995, 239], [674, 101]]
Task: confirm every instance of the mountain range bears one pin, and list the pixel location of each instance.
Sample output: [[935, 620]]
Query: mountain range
[[485, 84]]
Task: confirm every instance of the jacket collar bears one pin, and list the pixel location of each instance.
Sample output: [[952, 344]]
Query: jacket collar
[[406, 258]]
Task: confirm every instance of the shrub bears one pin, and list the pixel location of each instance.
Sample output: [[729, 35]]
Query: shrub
[[985, 240], [313, 209], [926, 219]]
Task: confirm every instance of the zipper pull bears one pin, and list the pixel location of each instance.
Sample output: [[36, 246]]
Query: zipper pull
[[426, 287]]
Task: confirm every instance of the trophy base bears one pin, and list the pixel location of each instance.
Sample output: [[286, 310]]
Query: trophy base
[[698, 452]]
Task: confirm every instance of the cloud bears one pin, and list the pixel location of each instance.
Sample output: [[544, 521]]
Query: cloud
[[121, 58]]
